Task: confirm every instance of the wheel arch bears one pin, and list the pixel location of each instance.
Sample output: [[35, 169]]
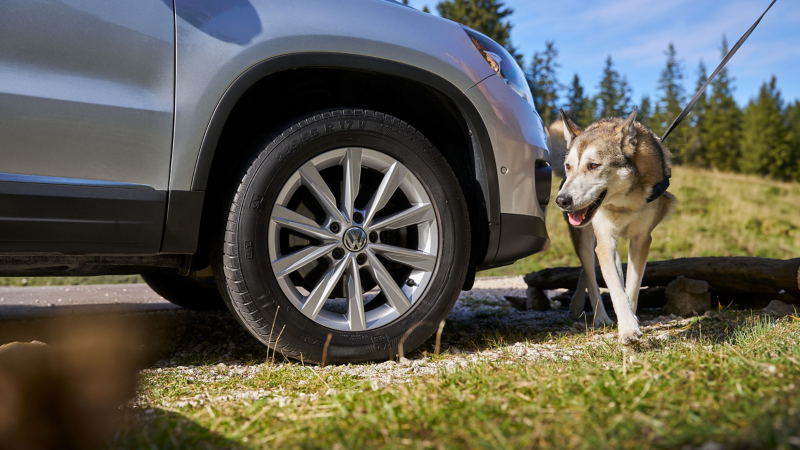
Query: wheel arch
[[449, 120]]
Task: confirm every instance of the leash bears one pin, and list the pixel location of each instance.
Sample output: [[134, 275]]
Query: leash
[[725, 60]]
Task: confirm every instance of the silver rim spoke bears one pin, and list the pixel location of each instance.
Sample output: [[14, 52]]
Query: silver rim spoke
[[415, 215], [391, 180], [314, 182], [317, 298], [286, 218], [300, 258], [412, 258], [355, 297], [352, 180], [348, 251], [396, 298]]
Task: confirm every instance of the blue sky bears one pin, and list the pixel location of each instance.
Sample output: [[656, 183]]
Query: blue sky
[[636, 32]]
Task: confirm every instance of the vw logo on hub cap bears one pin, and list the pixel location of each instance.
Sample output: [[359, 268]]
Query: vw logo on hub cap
[[355, 239]]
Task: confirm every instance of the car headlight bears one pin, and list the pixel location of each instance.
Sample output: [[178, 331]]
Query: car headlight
[[502, 63]]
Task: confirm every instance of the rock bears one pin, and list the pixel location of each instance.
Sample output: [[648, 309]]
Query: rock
[[330, 392], [779, 309], [537, 300], [519, 303], [686, 297], [405, 362], [455, 350]]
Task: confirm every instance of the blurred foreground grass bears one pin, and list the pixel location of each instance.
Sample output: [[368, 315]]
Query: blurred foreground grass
[[718, 214]]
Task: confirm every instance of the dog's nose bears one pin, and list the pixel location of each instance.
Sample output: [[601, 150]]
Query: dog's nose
[[564, 200]]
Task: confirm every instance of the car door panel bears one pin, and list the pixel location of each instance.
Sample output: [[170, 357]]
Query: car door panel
[[86, 115]]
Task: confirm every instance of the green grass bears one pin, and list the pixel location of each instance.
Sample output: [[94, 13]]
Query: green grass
[[69, 281], [735, 381], [718, 214]]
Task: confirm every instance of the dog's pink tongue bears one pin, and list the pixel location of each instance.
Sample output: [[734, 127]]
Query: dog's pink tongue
[[576, 217]]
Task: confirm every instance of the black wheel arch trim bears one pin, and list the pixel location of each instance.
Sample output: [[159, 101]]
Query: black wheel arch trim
[[483, 154]]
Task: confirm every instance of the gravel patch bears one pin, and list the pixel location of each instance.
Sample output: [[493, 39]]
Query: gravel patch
[[483, 327]]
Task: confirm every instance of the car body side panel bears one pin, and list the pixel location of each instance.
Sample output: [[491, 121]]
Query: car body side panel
[[218, 41], [86, 89], [518, 141]]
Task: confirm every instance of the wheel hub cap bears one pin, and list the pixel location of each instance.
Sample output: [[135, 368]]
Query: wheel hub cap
[[355, 239], [336, 275]]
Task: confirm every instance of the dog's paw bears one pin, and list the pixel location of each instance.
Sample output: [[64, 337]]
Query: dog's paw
[[576, 306], [601, 320], [629, 336]]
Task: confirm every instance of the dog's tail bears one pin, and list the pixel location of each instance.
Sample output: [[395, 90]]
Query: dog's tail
[[557, 146]]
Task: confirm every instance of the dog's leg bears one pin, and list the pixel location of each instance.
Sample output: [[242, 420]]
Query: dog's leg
[[580, 239], [637, 260], [608, 256], [578, 300], [584, 242]]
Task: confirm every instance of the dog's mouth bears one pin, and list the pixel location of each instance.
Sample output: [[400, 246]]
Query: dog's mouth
[[581, 217]]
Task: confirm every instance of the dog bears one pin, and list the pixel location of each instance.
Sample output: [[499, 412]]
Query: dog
[[616, 173]]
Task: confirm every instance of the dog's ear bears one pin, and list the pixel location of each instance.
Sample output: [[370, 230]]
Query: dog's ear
[[627, 132], [571, 131]]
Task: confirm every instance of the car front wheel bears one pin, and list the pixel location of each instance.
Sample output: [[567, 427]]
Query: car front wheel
[[350, 234]]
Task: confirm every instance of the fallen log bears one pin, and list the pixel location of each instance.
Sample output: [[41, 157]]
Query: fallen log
[[738, 274]]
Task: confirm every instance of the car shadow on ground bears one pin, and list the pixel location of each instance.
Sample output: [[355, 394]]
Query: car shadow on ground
[[480, 321]]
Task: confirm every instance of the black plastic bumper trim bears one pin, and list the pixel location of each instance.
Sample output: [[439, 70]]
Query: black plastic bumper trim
[[520, 236], [184, 211], [80, 220]]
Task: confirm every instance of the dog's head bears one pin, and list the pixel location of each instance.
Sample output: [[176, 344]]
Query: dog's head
[[598, 165]]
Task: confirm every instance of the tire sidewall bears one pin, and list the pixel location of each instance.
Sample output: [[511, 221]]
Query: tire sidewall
[[258, 194]]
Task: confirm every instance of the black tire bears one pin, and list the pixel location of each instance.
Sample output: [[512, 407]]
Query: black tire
[[197, 293], [242, 262]]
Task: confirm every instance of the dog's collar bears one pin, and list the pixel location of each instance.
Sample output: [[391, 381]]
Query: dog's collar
[[659, 189]]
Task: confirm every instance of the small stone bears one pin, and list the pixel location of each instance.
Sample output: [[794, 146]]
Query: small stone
[[405, 362], [537, 300], [778, 308], [519, 303], [710, 315], [377, 385], [455, 350], [330, 392], [686, 297], [198, 348], [712, 446]]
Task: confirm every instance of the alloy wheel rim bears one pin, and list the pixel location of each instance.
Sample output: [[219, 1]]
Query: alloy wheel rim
[[347, 220]]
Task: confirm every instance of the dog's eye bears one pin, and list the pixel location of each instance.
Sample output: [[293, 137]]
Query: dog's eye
[[593, 166], [567, 166]]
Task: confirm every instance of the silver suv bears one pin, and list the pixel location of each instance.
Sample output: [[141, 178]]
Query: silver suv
[[340, 169]]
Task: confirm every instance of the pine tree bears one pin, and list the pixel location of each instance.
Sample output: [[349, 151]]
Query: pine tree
[[765, 136], [670, 103], [543, 82], [695, 151], [721, 133], [577, 105], [645, 115], [793, 120], [613, 99], [487, 16]]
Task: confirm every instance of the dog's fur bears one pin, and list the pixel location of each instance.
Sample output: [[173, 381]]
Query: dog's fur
[[630, 160]]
